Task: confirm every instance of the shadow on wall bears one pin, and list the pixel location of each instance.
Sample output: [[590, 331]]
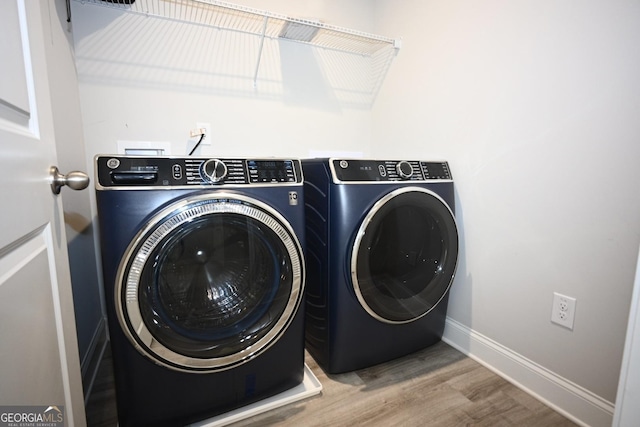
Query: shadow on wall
[[124, 49], [86, 293], [460, 295]]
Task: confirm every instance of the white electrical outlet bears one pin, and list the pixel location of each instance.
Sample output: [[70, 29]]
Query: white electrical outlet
[[564, 310], [206, 129]]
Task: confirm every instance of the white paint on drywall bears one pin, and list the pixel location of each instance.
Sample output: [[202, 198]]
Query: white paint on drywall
[[535, 105], [145, 79]]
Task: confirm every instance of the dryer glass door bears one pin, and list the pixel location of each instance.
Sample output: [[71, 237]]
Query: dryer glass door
[[405, 255], [210, 283]]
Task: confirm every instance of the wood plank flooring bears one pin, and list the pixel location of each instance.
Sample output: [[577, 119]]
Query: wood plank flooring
[[438, 386]]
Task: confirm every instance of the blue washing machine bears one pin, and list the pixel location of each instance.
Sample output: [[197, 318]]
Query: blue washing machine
[[381, 251], [204, 277]]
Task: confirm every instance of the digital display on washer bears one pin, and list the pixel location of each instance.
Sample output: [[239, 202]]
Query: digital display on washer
[[271, 171]]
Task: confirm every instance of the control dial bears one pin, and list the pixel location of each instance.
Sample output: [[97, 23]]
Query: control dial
[[404, 169], [214, 170]]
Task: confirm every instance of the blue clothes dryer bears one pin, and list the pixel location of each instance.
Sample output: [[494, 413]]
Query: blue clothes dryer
[[204, 278], [381, 252]]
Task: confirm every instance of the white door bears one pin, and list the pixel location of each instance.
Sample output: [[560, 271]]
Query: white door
[[39, 363], [627, 411]]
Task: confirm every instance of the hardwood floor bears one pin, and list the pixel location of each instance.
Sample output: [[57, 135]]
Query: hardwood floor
[[438, 386]]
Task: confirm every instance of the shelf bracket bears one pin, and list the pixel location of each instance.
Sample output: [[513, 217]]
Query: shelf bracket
[[262, 36]]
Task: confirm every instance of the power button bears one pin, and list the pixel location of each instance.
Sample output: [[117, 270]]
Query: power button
[[176, 171]]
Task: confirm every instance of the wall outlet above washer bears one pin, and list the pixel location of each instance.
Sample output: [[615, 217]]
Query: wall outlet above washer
[[205, 128]]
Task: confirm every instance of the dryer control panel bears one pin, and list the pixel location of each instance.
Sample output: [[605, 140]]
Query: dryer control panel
[[360, 170], [134, 171]]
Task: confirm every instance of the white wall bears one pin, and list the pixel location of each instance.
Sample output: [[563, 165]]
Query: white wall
[[145, 79], [536, 105]]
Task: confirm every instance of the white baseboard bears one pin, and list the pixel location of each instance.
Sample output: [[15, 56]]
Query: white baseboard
[[574, 402]]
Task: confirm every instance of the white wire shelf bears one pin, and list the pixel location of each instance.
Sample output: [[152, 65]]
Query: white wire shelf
[[264, 24], [232, 17]]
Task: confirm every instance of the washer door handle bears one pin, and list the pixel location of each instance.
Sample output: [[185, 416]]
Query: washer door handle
[[75, 180]]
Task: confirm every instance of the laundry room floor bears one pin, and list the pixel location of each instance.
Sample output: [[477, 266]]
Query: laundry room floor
[[438, 386]]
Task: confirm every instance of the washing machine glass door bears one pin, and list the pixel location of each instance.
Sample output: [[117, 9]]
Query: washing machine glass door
[[404, 255], [210, 282]]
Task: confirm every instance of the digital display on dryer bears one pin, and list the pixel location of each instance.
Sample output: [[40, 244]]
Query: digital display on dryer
[[434, 170]]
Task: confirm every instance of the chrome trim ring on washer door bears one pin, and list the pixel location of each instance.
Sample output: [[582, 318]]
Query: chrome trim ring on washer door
[[404, 255], [228, 331]]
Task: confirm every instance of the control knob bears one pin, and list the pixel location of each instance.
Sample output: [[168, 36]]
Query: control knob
[[214, 170], [404, 169]]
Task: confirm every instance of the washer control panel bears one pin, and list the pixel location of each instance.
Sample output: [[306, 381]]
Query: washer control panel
[[360, 170], [134, 171]]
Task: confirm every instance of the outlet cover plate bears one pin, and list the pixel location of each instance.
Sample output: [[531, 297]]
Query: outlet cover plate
[[564, 310], [207, 132]]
